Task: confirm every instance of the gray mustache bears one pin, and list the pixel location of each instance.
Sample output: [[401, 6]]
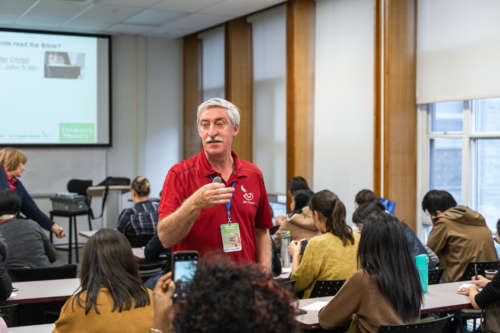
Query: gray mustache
[[214, 139]]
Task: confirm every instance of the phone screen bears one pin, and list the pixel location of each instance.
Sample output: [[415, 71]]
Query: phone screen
[[184, 270]]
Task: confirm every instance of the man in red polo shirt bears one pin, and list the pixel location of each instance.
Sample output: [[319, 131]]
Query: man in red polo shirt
[[215, 202]]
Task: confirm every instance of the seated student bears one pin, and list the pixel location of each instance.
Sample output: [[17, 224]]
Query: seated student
[[364, 196], [416, 246], [139, 222], [112, 297], [459, 235], [488, 298], [386, 291], [331, 256], [27, 242], [299, 221], [223, 297], [5, 281]]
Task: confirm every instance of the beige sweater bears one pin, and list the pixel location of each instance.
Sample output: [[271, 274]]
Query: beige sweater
[[325, 258], [359, 300]]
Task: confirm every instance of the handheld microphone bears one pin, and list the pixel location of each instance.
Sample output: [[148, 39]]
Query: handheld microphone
[[217, 179]]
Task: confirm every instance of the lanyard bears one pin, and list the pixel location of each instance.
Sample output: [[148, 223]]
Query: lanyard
[[228, 204]]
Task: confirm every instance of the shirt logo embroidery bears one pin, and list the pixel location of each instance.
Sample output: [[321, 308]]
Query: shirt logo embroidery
[[247, 196]]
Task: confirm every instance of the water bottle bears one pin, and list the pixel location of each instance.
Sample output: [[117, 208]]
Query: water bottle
[[285, 241], [422, 262]]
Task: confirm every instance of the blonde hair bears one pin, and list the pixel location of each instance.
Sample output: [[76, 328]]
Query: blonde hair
[[10, 158], [141, 186]]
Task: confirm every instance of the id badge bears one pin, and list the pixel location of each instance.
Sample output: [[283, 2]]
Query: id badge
[[231, 239]]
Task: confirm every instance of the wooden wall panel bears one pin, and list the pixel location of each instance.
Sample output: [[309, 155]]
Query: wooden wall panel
[[400, 109], [300, 36], [192, 88], [377, 102], [239, 82]]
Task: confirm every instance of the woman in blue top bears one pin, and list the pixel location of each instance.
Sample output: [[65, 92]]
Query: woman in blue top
[[12, 163]]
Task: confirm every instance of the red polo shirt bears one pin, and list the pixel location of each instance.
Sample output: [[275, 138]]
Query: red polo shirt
[[249, 207]]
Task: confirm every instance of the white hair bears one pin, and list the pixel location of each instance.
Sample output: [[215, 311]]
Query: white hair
[[232, 111]]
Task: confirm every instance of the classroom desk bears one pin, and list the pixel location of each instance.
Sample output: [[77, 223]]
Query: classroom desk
[[87, 233], [44, 328], [137, 251], [43, 291], [440, 298]]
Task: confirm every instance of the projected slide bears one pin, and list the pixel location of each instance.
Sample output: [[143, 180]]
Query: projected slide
[[53, 91]]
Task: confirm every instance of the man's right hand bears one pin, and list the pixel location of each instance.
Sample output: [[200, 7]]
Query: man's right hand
[[212, 194]]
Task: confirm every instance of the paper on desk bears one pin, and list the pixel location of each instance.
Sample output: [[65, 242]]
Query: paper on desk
[[315, 306]]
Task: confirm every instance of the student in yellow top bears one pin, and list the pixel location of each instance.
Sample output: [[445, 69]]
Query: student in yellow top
[[330, 256], [112, 298]]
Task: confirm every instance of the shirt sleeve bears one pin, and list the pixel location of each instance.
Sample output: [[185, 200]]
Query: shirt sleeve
[[344, 304], [437, 238], [171, 195], [31, 210], [308, 271], [263, 219], [490, 293]]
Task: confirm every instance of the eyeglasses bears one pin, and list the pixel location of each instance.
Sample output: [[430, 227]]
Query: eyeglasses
[[219, 124]]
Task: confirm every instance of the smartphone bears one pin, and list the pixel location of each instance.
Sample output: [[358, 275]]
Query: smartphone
[[184, 264], [303, 245]]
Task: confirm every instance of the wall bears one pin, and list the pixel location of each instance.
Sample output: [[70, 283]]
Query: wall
[[343, 130], [147, 101]]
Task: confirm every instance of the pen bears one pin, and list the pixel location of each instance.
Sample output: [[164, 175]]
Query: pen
[[475, 270]]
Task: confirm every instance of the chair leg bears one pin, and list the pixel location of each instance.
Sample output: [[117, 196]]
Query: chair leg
[[90, 221], [76, 239], [50, 232], [70, 240]]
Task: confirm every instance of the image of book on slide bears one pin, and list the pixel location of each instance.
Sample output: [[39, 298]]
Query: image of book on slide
[[64, 65]]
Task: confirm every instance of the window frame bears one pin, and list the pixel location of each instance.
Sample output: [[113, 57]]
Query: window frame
[[469, 137]]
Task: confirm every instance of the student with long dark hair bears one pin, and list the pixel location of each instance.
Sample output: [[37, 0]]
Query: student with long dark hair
[[387, 290], [330, 256], [111, 298]]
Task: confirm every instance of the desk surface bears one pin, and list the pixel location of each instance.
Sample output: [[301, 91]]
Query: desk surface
[[440, 298], [43, 291], [137, 251], [44, 328]]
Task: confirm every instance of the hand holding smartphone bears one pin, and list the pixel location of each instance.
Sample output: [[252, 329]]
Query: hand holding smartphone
[[184, 264]]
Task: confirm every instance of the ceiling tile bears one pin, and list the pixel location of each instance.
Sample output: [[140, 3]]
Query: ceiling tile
[[154, 17], [16, 7], [58, 9], [131, 3], [106, 14], [186, 5]]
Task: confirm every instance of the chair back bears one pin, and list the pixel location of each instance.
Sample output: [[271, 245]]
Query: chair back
[[441, 325], [435, 275], [10, 314], [470, 271], [150, 268], [326, 288], [46, 273], [79, 186]]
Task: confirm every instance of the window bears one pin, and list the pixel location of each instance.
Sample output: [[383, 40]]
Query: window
[[460, 153]]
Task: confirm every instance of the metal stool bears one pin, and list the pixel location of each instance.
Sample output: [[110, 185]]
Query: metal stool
[[72, 225]]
